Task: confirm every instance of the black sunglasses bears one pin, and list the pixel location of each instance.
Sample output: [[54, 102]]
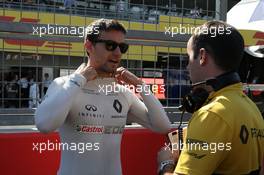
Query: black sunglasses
[[112, 45]]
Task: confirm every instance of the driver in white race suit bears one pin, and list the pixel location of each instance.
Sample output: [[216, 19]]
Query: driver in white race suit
[[82, 108]]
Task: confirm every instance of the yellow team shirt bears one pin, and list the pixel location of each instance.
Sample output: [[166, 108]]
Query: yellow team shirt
[[225, 136]]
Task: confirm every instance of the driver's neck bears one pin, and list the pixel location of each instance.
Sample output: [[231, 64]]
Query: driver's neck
[[101, 74]]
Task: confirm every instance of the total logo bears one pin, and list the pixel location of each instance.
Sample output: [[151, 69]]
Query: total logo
[[100, 129]]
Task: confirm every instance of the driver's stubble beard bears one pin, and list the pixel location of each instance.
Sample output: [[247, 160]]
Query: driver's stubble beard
[[105, 71]]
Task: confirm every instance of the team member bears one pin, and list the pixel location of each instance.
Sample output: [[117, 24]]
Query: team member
[[225, 134], [85, 113]]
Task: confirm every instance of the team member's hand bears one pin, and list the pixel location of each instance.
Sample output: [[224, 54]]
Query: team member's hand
[[122, 76], [168, 156], [87, 71]]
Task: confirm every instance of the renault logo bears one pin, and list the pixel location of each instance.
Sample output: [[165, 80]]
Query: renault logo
[[90, 108], [244, 134], [117, 105]]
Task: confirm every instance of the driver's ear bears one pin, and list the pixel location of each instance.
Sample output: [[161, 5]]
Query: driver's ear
[[88, 46]]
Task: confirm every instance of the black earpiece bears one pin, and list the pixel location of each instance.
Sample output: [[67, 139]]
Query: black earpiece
[[198, 96], [194, 100]]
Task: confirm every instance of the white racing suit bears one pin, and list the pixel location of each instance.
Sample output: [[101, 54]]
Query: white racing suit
[[85, 114]]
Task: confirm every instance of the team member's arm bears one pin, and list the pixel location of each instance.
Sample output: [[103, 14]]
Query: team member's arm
[[204, 149], [262, 167], [149, 114], [167, 159], [53, 111], [208, 141]]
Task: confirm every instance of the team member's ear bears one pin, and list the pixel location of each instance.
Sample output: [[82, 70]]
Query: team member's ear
[[203, 57]]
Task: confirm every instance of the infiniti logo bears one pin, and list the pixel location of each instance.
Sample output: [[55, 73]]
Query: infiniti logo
[[90, 108]]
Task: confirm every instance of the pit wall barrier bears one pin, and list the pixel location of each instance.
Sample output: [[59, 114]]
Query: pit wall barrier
[[139, 149]]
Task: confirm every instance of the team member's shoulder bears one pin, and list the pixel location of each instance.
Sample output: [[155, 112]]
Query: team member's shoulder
[[217, 104], [210, 111], [207, 115]]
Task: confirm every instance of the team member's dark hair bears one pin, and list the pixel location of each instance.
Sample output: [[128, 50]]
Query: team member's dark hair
[[226, 47], [103, 25]]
